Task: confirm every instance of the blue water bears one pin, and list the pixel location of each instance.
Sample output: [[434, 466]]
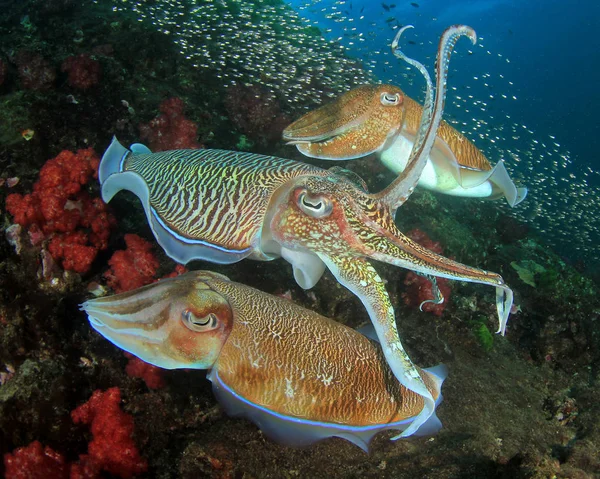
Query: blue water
[[552, 47]]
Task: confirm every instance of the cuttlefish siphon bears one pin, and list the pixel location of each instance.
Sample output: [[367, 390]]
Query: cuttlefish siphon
[[224, 206], [299, 376], [382, 119]]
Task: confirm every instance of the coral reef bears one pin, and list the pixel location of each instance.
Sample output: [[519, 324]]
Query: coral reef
[[419, 290], [84, 72], [523, 405], [133, 267], [35, 462], [152, 376], [112, 448], [170, 130], [60, 211]]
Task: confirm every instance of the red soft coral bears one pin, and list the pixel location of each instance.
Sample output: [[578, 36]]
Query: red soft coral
[[76, 225], [112, 448], [418, 288], [132, 268], [84, 72], [153, 376], [35, 462], [72, 248], [170, 130]]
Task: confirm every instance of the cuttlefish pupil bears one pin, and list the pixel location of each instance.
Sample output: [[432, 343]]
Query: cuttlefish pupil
[[199, 323], [314, 206], [388, 99]]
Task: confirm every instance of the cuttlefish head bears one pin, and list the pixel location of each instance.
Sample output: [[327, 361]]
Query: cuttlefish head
[[334, 218], [359, 122], [322, 215], [175, 323]]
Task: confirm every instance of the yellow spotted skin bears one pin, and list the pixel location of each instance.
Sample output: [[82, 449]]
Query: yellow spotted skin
[[295, 362], [225, 206], [359, 226], [356, 124]]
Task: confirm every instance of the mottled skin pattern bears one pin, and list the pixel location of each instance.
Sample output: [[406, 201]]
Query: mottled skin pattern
[[301, 210], [335, 132], [295, 362], [359, 226], [268, 350], [348, 128]]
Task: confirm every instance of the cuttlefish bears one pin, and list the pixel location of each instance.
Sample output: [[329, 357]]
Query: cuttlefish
[[299, 376], [382, 119], [224, 206]]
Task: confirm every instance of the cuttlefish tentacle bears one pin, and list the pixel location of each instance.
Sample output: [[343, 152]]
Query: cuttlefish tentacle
[[428, 105], [455, 166], [438, 297], [360, 277], [391, 246], [403, 186], [299, 376]]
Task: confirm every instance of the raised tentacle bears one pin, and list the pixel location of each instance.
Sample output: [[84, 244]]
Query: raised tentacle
[[360, 277], [419, 66], [403, 186]]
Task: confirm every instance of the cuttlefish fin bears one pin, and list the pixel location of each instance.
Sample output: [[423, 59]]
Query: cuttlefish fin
[[504, 186], [444, 160], [359, 276], [470, 177]]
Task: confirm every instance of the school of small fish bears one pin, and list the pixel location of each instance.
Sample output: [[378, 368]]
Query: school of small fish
[[293, 61]]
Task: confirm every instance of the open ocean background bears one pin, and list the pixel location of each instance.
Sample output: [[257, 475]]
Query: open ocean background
[[550, 50], [527, 93]]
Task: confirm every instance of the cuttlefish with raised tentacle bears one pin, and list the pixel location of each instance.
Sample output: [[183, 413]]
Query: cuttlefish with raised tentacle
[[223, 206], [299, 376], [382, 119]]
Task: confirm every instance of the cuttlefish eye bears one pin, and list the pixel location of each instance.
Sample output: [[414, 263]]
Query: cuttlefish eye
[[199, 324], [388, 99], [315, 206]]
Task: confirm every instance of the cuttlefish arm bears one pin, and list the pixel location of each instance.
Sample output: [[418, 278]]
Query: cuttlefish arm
[[404, 184], [391, 246], [344, 225], [299, 376]]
